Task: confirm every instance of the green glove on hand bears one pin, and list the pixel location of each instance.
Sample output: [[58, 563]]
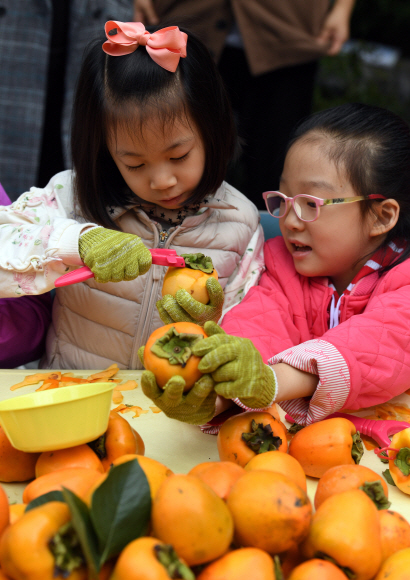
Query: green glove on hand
[[236, 367], [184, 308], [196, 407], [114, 256]]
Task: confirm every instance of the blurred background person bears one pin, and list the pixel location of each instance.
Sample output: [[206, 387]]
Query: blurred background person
[[268, 54], [41, 47]]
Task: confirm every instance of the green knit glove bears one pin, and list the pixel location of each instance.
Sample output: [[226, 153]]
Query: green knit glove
[[184, 308], [114, 256], [196, 407], [236, 367]]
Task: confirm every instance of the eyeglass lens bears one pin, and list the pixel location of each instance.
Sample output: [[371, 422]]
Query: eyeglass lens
[[305, 207]]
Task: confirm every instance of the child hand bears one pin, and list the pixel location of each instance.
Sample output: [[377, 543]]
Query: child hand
[[196, 407], [184, 308], [114, 256], [237, 368]]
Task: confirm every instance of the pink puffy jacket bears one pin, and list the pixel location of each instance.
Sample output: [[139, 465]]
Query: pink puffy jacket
[[365, 360]]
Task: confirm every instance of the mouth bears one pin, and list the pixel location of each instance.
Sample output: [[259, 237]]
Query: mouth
[[298, 248], [172, 200]]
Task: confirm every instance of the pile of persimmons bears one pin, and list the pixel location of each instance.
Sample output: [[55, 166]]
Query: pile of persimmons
[[106, 511]]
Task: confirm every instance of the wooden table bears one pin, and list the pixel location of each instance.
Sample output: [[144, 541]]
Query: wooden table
[[178, 445]]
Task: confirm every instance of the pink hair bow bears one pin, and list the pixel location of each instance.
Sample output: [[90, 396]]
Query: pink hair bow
[[165, 46]]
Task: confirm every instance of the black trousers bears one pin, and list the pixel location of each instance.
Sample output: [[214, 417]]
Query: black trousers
[[267, 108]]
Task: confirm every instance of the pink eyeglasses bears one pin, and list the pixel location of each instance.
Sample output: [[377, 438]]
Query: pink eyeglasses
[[306, 207]]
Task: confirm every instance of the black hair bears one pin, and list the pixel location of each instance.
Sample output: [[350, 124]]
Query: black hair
[[373, 147], [127, 90]]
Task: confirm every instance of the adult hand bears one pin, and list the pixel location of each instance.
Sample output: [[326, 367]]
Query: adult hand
[[184, 308], [114, 256], [144, 12], [237, 368], [336, 27]]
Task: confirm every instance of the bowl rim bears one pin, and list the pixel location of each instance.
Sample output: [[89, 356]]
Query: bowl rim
[[105, 387]]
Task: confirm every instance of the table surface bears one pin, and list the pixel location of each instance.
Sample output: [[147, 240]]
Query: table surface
[[177, 445]]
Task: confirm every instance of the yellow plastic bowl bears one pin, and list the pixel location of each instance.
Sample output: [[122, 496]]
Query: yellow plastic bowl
[[58, 418]]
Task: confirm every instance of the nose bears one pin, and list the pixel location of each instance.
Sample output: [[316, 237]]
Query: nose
[[291, 220], [162, 179]]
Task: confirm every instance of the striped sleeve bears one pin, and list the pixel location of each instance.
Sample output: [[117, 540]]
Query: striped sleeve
[[321, 358]]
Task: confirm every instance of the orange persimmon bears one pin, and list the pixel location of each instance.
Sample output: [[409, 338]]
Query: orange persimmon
[[242, 564], [4, 511], [325, 444], [172, 342], [77, 479], [78, 456], [344, 477], [15, 465], [317, 569], [394, 531], [219, 475], [235, 437], [396, 567], [119, 439], [346, 528], [280, 463], [192, 278], [270, 512]]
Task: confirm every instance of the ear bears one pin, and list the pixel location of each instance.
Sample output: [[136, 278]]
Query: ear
[[384, 215]]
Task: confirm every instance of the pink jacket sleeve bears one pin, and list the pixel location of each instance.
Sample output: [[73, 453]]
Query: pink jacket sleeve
[[266, 315], [376, 343]]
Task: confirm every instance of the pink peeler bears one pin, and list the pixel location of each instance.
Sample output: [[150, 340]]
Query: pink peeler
[[377, 430], [160, 256]]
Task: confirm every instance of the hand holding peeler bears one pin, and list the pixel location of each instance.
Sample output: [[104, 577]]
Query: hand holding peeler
[[377, 430], [160, 256]]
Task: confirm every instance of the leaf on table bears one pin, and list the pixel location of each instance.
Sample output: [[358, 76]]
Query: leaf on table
[[121, 508]]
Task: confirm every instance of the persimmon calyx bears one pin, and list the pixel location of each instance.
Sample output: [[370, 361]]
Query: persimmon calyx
[[261, 438], [175, 346], [66, 549], [357, 448], [98, 446], [198, 262], [167, 556], [375, 491], [402, 460]]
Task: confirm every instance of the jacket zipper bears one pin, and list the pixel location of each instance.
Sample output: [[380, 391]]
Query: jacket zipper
[[150, 298]]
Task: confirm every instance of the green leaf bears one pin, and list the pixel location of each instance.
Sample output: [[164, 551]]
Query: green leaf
[[295, 427], [82, 524], [121, 508], [387, 476], [402, 460], [45, 498]]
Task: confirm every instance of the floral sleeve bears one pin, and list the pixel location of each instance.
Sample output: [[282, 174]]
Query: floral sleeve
[[247, 273], [38, 239]]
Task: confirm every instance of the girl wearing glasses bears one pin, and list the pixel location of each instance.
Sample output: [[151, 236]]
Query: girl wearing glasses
[[329, 323]]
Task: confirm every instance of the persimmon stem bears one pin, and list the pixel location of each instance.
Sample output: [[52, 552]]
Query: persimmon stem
[[167, 556], [66, 549]]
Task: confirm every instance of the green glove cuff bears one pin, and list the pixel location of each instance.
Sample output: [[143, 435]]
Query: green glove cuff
[[268, 392], [114, 256]]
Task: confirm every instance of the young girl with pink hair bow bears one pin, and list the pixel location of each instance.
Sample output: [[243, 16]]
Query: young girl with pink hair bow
[[152, 135]]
